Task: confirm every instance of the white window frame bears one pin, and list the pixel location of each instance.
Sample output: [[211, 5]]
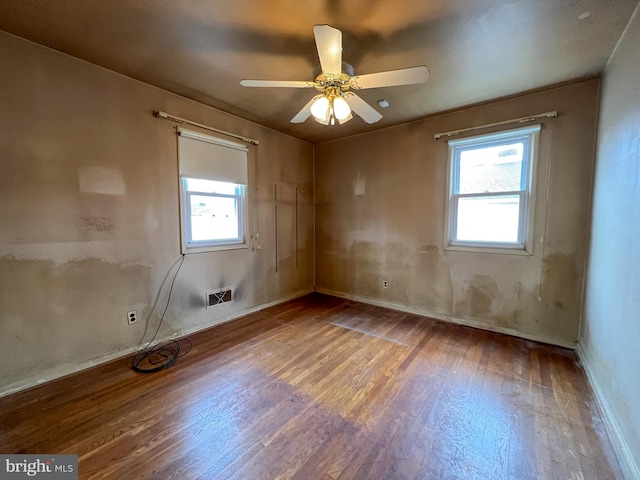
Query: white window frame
[[523, 246], [190, 245], [200, 246]]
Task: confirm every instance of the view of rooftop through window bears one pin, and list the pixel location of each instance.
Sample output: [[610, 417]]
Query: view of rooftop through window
[[491, 169]]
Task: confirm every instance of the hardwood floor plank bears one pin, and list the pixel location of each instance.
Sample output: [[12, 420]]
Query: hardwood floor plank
[[325, 388]]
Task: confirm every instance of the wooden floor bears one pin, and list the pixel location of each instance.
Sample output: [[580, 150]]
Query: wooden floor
[[322, 388]]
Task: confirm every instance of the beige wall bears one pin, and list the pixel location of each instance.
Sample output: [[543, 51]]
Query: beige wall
[[73, 263], [380, 215], [610, 337]]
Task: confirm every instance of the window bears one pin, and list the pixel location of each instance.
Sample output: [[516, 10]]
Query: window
[[491, 190], [213, 179]]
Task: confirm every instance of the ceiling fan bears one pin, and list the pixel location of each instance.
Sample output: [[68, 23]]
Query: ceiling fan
[[335, 81]]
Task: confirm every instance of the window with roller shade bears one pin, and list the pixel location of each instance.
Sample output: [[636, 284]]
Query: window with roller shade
[[213, 182]]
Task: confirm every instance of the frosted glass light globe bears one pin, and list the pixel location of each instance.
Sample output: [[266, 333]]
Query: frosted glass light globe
[[341, 108], [320, 108]]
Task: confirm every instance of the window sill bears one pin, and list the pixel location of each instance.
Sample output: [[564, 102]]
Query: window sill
[[493, 250], [214, 248]]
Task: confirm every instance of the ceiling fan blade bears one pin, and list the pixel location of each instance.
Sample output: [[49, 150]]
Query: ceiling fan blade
[[329, 45], [303, 114], [405, 76], [277, 83], [362, 108]]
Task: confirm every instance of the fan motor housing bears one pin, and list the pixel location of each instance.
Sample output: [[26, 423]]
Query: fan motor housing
[[346, 69]]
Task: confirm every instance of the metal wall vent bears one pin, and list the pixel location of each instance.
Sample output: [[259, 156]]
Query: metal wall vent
[[218, 297]]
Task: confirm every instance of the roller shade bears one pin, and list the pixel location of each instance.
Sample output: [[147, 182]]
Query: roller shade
[[211, 158]]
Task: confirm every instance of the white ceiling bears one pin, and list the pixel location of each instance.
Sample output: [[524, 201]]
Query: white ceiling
[[476, 50]]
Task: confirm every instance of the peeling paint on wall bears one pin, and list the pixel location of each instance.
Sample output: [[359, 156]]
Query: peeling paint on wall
[[437, 288], [359, 184], [94, 227], [561, 281], [397, 232], [83, 244], [48, 310], [102, 180], [482, 293]]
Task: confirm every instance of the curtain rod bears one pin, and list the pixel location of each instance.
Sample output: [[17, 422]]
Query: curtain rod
[[166, 116], [531, 118]]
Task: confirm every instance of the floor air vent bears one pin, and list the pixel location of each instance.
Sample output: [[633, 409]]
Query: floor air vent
[[218, 297]]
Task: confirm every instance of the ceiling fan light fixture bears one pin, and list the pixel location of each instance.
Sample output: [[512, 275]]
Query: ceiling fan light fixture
[[321, 109], [326, 109], [341, 109], [346, 119]]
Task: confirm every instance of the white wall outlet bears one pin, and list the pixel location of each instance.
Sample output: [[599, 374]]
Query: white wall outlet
[[132, 317], [385, 284]]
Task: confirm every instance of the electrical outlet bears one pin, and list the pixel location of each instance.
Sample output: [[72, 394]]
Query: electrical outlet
[[385, 284], [132, 317]]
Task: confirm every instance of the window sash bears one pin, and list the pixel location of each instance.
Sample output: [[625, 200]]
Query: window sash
[[524, 167], [239, 197], [522, 204]]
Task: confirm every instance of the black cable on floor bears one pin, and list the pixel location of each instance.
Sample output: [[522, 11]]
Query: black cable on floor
[[152, 359]]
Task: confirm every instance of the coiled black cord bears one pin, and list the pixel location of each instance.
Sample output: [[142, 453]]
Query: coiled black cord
[[152, 359]]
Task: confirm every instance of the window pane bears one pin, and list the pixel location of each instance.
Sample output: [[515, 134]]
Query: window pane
[[491, 169], [210, 186], [488, 219], [213, 218]]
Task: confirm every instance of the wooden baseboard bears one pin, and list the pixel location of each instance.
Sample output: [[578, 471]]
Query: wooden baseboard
[[628, 465], [69, 368], [450, 319]]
